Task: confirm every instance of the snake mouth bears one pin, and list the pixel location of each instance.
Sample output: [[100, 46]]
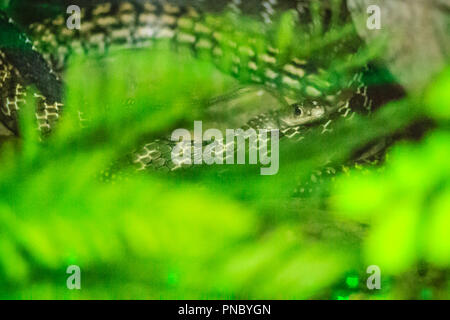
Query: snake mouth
[[306, 116]]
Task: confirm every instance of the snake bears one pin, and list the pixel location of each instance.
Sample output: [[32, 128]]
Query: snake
[[39, 53]]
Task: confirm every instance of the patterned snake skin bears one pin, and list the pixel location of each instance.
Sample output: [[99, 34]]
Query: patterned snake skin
[[134, 24]]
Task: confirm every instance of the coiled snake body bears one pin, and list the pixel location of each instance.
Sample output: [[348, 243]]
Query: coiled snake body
[[129, 24]]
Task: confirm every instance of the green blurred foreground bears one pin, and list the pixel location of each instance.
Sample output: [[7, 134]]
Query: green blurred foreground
[[205, 233]]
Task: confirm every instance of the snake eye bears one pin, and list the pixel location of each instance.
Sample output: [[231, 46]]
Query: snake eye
[[298, 111]]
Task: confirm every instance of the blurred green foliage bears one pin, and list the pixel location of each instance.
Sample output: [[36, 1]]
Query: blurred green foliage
[[406, 202], [213, 233]]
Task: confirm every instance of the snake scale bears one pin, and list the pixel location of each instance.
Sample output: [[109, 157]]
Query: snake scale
[[45, 47]]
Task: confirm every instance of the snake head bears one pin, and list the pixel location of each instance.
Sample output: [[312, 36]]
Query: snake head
[[303, 113]]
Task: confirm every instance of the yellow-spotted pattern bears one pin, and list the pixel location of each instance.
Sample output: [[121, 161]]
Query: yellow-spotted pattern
[[131, 24], [250, 58], [13, 97], [140, 24]]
